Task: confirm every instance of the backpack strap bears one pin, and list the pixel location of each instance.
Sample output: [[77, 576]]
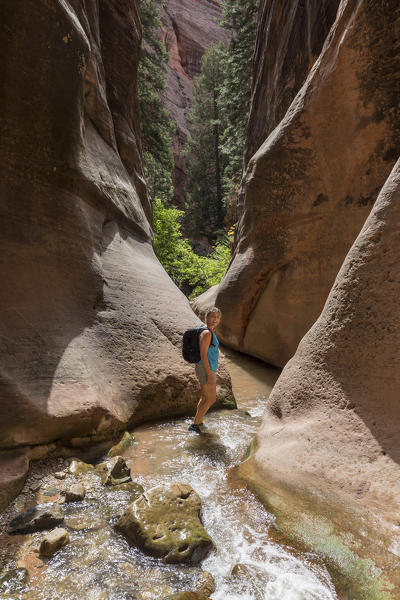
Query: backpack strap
[[211, 343]]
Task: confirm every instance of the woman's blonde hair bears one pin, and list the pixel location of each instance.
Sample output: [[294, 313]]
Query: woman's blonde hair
[[210, 310]]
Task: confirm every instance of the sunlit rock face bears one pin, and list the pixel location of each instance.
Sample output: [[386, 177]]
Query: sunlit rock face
[[310, 186], [329, 443], [90, 323], [189, 28]]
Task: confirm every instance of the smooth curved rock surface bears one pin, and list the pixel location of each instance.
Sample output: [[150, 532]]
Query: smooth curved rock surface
[[309, 188], [90, 323], [327, 456], [290, 38]]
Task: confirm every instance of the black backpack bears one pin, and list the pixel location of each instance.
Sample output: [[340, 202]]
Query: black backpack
[[190, 344]]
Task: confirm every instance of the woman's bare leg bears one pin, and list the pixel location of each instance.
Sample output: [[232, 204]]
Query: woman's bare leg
[[207, 399]]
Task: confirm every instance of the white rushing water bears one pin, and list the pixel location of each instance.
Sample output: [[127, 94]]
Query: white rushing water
[[235, 519]]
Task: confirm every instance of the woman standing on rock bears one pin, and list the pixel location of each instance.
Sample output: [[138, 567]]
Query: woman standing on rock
[[206, 368]]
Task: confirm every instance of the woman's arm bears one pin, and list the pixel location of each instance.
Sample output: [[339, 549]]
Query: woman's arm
[[205, 341]]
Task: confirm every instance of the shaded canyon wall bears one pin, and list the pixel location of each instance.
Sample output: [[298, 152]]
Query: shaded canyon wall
[[90, 322], [310, 186], [327, 458]]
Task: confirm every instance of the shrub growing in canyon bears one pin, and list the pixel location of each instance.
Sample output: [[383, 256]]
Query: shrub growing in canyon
[[193, 274]]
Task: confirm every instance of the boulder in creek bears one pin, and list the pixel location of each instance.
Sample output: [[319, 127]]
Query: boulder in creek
[[75, 493], [53, 541], [78, 467], [37, 518], [165, 522], [114, 471]]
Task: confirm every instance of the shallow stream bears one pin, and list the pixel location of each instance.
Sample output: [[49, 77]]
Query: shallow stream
[[99, 564]]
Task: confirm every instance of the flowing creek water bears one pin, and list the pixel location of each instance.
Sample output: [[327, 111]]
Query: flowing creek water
[[99, 564]]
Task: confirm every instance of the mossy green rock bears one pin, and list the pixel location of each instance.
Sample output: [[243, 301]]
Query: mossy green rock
[[114, 471], [78, 467], [125, 442], [165, 523]]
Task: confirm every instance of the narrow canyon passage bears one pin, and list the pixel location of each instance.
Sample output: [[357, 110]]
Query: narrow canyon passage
[[247, 564]]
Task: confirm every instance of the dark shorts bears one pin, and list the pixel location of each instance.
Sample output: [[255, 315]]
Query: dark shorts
[[201, 373]]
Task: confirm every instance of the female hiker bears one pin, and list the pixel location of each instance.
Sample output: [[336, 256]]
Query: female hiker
[[207, 367]]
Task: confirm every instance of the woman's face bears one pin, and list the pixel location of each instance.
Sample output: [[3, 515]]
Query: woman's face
[[213, 318]]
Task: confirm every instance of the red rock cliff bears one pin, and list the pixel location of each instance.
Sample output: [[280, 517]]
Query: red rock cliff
[[189, 28]]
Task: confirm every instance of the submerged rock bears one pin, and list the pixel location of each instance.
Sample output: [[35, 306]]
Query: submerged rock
[[75, 493], [125, 442], [53, 541], [37, 518], [186, 596], [165, 523], [206, 584], [78, 467], [13, 581], [114, 471], [135, 489]]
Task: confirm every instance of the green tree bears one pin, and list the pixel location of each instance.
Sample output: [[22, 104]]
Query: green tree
[[156, 123], [240, 18], [205, 208]]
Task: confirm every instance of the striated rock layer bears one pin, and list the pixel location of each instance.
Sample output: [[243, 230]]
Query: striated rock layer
[[90, 322], [327, 457], [290, 38], [310, 186], [189, 28]]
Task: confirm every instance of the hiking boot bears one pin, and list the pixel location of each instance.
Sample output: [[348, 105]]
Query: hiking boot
[[195, 428]]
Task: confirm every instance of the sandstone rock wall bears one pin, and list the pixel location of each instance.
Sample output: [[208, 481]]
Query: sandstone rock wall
[[90, 322], [289, 40], [189, 28], [310, 186], [327, 457]]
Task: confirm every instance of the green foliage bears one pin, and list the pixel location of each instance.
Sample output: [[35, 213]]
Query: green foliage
[[219, 115], [193, 274], [156, 123], [240, 18]]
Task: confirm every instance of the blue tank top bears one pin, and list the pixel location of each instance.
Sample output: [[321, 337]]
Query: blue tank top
[[212, 353]]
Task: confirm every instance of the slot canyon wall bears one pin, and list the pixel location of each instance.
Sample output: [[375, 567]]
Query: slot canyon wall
[[90, 323], [189, 28], [311, 184], [326, 459]]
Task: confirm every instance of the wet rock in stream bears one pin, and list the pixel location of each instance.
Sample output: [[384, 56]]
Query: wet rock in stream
[[75, 493], [125, 442], [186, 596], [78, 467], [164, 522], [206, 584], [114, 471], [53, 541], [14, 580], [37, 518]]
